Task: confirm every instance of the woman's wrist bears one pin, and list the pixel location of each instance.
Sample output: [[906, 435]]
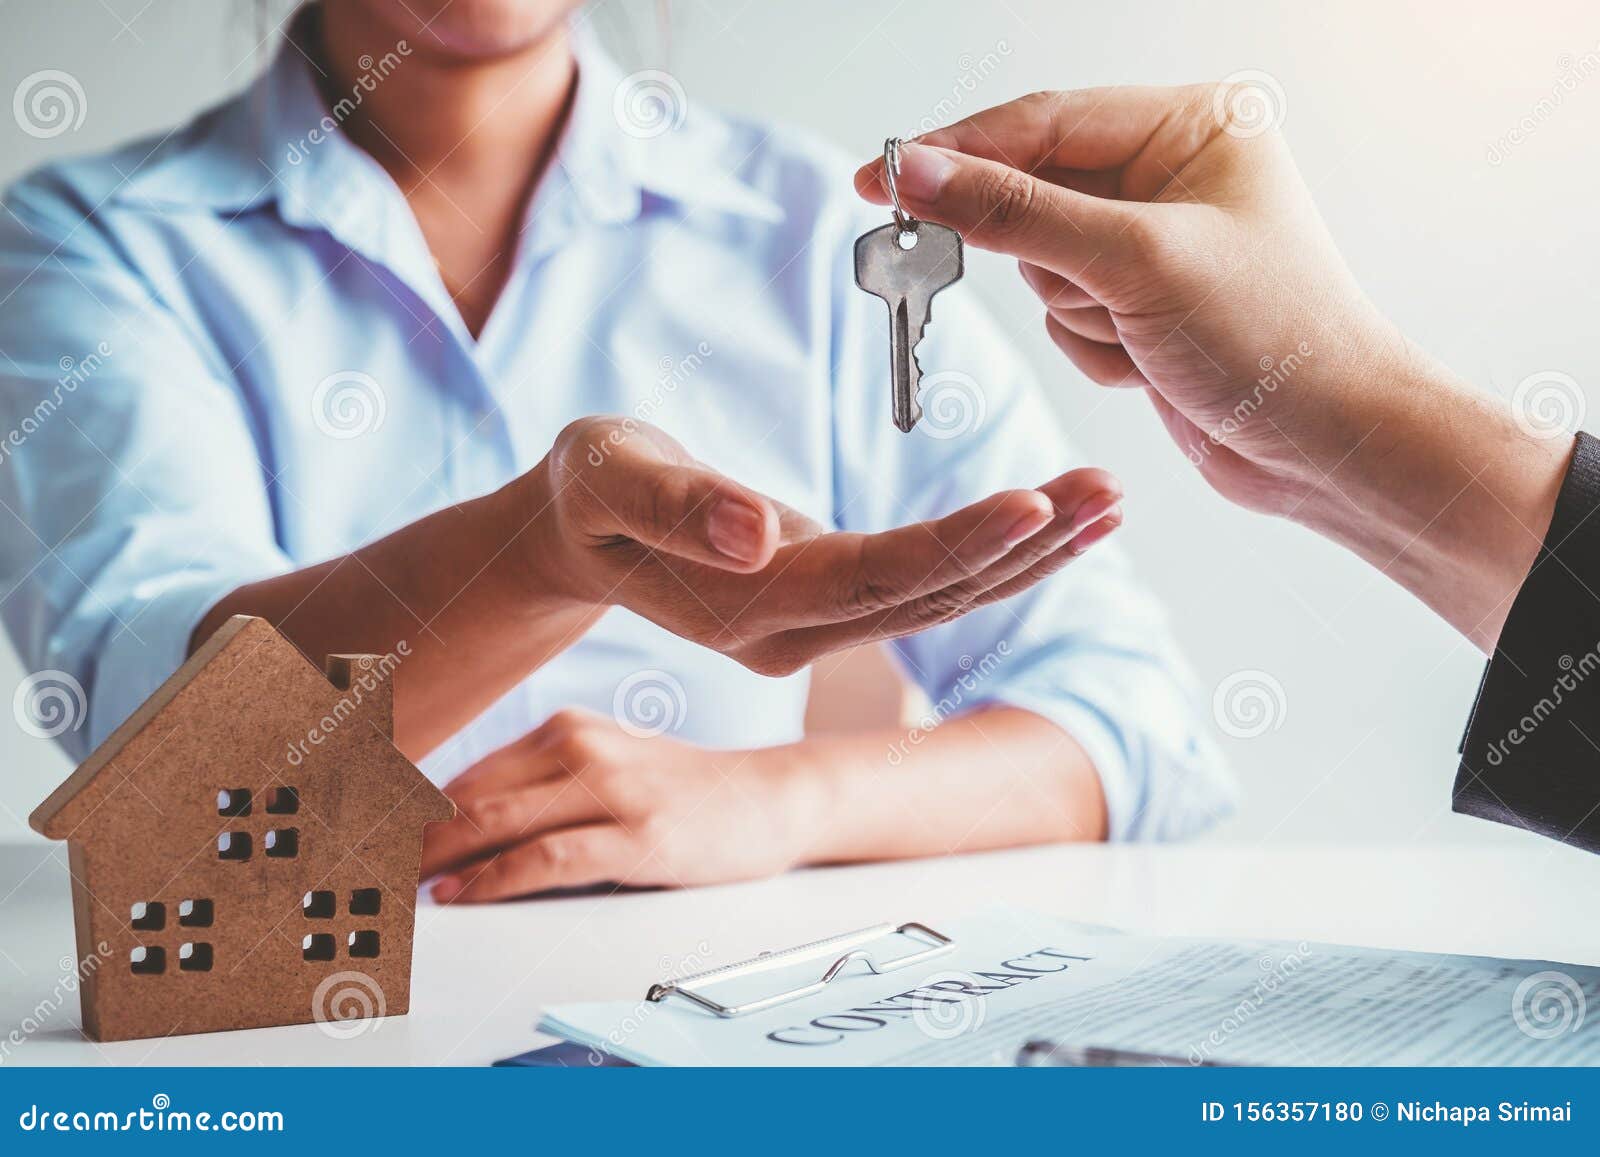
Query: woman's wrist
[[796, 780], [520, 524]]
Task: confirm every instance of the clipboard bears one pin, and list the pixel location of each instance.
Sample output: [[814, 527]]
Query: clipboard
[[844, 949]]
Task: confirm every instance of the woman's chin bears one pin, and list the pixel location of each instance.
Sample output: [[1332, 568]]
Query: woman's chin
[[469, 29]]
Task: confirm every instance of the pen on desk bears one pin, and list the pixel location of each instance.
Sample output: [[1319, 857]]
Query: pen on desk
[[1046, 1054]]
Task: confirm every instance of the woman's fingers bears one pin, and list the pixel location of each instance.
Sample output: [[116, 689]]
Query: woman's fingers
[[1082, 498], [1102, 363], [1040, 565], [1079, 498], [616, 481], [838, 577], [571, 858], [490, 822], [511, 766], [1097, 531]]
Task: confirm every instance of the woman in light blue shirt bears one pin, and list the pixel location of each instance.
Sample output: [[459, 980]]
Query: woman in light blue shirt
[[329, 355]]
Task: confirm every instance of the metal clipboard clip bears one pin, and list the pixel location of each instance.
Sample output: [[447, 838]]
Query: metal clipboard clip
[[849, 945]]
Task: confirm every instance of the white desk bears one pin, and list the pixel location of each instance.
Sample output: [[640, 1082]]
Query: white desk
[[482, 974]]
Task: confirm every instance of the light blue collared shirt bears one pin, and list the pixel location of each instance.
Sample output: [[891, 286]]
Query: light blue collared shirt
[[227, 354]]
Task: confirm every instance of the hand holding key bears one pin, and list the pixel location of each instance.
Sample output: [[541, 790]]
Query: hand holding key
[[1177, 251], [635, 521], [1172, 254]]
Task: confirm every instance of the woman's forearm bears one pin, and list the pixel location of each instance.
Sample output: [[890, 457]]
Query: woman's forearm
[[461, 591], [995, 778]]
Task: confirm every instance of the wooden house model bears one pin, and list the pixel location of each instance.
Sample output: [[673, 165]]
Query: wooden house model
[[244, 849]]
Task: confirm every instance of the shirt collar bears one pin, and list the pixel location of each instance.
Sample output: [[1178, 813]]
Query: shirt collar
[[278, 141], [639, 135]]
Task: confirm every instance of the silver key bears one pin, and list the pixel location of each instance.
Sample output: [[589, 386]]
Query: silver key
[[906, 263], [907, 279]]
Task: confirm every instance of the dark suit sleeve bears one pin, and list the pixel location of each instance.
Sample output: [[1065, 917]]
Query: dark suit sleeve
[[1531, 754]]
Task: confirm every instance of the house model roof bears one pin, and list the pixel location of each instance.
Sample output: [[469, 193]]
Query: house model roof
[[246, 707]]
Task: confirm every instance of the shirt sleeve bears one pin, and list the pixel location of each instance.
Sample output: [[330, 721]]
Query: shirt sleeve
[[1088, 649], [131, 489], [1531, 753]]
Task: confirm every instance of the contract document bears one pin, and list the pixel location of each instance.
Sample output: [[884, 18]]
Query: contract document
[[1011, 977]]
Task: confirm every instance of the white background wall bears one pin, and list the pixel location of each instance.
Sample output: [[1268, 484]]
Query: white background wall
[[1393, 107]]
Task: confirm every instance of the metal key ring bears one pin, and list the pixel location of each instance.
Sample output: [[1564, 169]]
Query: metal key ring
[[904, 221]]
